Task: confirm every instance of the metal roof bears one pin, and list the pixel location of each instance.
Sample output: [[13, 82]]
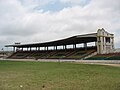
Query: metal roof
[[67, 41]]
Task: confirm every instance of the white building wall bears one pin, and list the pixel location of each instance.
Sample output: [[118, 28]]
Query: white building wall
[[104, 46]]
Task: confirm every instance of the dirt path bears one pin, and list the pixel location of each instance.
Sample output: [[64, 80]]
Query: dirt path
[[115, 63]]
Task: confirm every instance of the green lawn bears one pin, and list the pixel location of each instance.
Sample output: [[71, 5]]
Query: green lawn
[[57, 76]]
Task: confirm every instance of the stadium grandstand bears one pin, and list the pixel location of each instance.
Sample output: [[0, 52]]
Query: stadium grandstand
[[91, 46]]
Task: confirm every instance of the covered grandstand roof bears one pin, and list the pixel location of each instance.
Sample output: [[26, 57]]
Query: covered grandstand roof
[[67, 41]]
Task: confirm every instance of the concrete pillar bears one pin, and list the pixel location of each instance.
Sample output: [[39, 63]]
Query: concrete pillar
[[75, 46], [95, 43], [65, 47], [113, 42], [30, 48], [101, 39], [22, 49], [38, 48], [100, 45], [13, 49], [104, 43], [85, 46], [47, 48], [56, 47]]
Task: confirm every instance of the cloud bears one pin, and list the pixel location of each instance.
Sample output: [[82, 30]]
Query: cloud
[[30, 21], [52, 5], [77, 2]]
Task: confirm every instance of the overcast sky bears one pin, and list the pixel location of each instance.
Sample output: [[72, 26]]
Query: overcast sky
[[33, 21]]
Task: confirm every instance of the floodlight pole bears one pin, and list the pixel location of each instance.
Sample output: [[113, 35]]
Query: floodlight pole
[[3, 52]]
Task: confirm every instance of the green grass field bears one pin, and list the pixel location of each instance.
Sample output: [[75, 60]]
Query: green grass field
[[57, 76]]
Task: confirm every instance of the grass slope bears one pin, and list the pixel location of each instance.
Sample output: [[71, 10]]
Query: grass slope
[[57, 76]]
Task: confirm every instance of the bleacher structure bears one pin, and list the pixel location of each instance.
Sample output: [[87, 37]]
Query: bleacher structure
[[110, 56], [75, 47]]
